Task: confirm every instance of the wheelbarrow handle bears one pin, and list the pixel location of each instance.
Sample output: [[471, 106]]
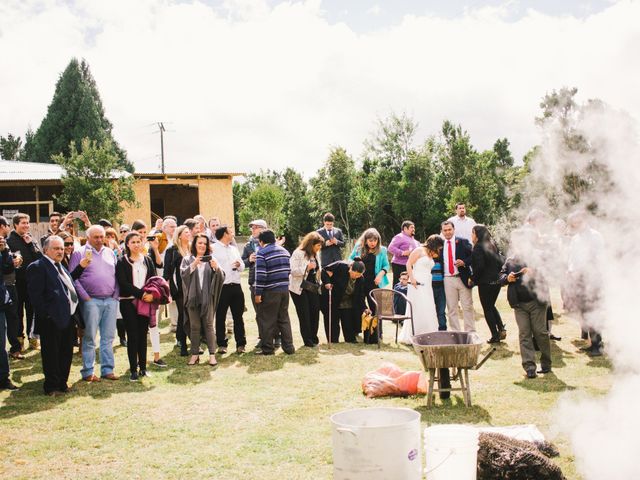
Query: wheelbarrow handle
[[486, 357]]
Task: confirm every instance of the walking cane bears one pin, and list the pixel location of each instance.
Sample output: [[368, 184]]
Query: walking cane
[[330, 318]]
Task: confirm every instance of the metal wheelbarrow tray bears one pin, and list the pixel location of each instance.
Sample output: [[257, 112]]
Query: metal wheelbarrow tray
[[443, 350]]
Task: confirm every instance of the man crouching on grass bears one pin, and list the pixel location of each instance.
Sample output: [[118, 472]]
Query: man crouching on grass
[[272, 293]]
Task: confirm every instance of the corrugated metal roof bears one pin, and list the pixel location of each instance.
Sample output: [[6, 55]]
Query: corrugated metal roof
[[11, 170]]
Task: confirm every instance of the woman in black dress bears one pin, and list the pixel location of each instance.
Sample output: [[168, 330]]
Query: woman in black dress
[[486, 263]]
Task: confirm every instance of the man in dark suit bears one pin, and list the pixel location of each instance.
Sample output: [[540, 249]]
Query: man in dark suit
[[333, 241], [54, 300], [456, 260]]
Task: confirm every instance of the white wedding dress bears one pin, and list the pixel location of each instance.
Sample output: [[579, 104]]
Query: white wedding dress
[[425, 318]]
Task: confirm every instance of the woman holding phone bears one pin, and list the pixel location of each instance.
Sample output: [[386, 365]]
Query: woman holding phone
[[132, 272], [151, 248], [304, 286], [202, 281]]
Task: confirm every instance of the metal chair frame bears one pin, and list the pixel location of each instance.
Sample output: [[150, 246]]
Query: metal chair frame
[[385, 309]]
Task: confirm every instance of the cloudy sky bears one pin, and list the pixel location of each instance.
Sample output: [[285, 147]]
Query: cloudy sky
[[249, 84]]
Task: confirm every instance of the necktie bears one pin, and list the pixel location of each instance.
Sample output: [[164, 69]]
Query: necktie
[[68, 286], [330, 233], [450, 257]]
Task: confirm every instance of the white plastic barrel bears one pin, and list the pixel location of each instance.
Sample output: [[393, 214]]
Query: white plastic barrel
[[451, 452], [376, 444]]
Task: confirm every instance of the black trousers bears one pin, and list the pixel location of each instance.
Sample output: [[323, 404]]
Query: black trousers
[[488, 295], [121, 328], [230, 297], [308, 309], [181, 332], [137, 328], [273, 312], [397, 269], [344, 317], [13, 322], [23, 306], [56, 350]]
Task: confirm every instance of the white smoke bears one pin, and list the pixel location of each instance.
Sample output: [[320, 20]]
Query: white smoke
[[603, 430]]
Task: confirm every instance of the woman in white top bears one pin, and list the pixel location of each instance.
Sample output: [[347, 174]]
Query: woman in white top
[[305, 266], [202, 281], [132, 272]]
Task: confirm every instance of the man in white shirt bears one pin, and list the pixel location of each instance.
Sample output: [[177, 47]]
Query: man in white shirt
[[461, 222], [228, 258], [455, 259]]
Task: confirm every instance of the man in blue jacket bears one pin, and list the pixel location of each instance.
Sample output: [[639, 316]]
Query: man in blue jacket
[[54, 299], [6, 266]]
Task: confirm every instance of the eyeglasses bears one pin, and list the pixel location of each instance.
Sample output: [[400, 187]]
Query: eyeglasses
[[124, 231], [68, 244]]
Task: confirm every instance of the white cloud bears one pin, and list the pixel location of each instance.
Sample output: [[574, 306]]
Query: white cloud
[[249, 86]]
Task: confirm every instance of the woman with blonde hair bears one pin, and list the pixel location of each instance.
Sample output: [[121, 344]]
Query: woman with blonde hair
[[304, 286], [181, 243]]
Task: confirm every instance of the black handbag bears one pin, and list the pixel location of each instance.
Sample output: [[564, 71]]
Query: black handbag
[[311, 287]]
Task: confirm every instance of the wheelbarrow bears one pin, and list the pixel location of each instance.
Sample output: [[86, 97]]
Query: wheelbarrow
[[444, 350]]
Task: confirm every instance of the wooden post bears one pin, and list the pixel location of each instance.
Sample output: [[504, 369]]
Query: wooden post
[[37, 204]]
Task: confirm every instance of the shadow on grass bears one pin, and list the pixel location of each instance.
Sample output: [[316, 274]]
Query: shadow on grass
[[544, 383], [30, 398], [452, 410], [502, 352], [558, 355]]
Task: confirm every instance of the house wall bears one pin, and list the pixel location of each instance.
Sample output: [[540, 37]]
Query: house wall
[[216, 199]]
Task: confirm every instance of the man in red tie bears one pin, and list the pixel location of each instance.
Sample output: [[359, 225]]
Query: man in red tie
[[456, 259]]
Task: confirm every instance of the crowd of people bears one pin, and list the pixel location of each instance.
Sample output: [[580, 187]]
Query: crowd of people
[[60, 292]]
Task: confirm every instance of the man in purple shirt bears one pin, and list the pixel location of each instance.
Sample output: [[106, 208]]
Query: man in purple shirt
[[98, 292], [401, 247]]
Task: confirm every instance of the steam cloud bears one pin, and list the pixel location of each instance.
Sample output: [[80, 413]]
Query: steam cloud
[[603, 431]]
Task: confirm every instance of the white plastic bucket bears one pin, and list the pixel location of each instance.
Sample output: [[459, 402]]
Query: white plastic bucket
[[376, 444], [451, 452]]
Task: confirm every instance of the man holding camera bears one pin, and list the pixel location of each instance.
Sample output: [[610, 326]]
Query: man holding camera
[[22, 244]]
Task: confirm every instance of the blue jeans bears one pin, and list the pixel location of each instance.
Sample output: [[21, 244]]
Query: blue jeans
[[441, 304], [4, 360], [98, 313]]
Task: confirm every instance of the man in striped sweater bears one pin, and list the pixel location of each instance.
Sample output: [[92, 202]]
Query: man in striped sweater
[[272, 293]]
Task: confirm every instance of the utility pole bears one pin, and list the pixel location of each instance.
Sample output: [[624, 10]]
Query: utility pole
[[161, 127]]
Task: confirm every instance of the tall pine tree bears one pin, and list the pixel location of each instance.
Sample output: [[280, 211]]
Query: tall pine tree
[[76, 112]]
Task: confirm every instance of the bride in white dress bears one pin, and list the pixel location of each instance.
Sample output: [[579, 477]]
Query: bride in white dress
[[419, 292]]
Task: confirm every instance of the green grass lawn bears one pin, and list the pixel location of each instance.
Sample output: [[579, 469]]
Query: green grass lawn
[[259, 417]]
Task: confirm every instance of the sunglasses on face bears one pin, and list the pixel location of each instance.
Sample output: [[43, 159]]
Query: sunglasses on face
[[68, 244]]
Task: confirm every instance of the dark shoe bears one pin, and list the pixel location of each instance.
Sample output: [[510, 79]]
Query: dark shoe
[[545, 370], [531, 373], [67, 389], [144, 373], [494, 340], [503, 334], [160, 363], [594, 352], [91, 379], [240, 350], [7, 385], [54, 393], [110, 376], [290, 352], [123, 342], [200, 351], [267, 353], [133, 377], [184, 352], [553, 337]]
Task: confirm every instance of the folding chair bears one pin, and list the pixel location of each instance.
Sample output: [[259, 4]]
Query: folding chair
[[383, 300]]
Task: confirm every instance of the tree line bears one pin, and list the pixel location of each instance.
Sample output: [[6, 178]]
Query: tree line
[[398, 176]]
